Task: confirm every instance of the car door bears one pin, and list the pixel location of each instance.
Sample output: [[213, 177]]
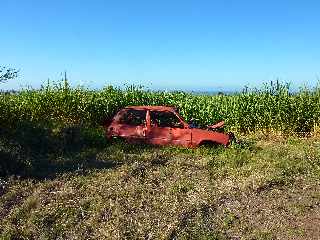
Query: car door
[[132, 124], [181, 135], [166, 128], [180, 131], [160, 128]]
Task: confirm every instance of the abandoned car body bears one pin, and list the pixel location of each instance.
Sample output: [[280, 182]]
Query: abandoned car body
[[161, 125]]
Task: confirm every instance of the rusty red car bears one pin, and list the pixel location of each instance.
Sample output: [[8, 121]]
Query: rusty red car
[[160, 125]]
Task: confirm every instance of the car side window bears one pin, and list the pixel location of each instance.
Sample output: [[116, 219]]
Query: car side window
[[165, 119], [133, 117]]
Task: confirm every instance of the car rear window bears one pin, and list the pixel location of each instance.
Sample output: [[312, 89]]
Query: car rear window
[[133, 117]]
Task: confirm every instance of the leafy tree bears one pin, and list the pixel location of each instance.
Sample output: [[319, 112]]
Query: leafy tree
[[7, 74]]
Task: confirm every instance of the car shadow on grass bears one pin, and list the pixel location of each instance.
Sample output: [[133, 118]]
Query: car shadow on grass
[[37, 150]]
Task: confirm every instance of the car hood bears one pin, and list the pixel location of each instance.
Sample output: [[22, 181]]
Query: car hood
[[216, 125], [202, 131]]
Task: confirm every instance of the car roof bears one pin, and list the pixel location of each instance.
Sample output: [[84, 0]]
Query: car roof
[[154, 108]]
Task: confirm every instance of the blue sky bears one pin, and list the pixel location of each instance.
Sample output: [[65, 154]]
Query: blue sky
[[191, 45]]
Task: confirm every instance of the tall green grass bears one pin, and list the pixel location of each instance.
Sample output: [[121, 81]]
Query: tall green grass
[[271, 108]]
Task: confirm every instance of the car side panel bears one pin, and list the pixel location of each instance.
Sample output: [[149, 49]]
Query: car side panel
[[126, 131], [130, 132], [181, 137], [199, 135], [159, 135]]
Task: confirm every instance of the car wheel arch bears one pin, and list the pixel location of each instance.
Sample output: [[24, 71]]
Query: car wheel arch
[[208, 143]]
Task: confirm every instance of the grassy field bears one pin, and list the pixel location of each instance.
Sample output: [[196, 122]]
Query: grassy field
[[60, 178], [87, 188]]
